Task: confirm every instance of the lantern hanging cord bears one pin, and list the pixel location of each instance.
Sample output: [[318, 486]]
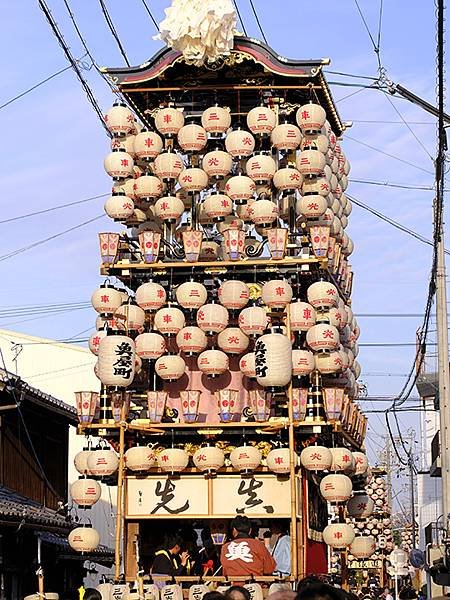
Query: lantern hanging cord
[[112, 29], [149, 12], [258, 22], [51, 21], [240, 18]]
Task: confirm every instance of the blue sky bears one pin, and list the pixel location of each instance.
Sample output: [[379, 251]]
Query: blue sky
[[53, 149]]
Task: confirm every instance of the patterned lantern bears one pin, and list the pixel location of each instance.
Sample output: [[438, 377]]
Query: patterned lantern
[[240, 188], [253, 320], [322, 294], [310, 163], [302, 316], [147, 145], [336, 488], [278, 461], [212, 318], [149, 242], [192, 138], [80, 461], [286, 137], [362, 463], [191, 340], [245, 458], [333, 401], [260, 403], [150, 296], [119, 119], [173, 460], [150, 346], [360, 506], [116, 360], [85, 492], [230, 222], [191, 294], [109, 245], [312, 206], [140, 458], [190, 400], [218, 206], [193, 179], [130, 317], [263, 212], [209, 459], [168, 166], [209, 251], [233, 294], [226, 401], [94, 341], [169, 320], [216, 119], [84, 539], [317, 141], [213, 362], [87, 403], [234, 240], [316, 458], [105, 321], [170, 367], [287, 179], [261, 167], [239, 143], [276, 293], [338, 535], [273, 360], [261, 120], [247, 365], [328, 364], [363, 546], [319, 186], [106, 300], [148, 187], [169, 121], [299, 400], [217, 164], [102, 462], [232, 340], [169, 208], [322, 337], [302, 362], [276, 242], [342, 459], [192, 244], [311, 118], [119, 206], [119, 164], [156, 405]]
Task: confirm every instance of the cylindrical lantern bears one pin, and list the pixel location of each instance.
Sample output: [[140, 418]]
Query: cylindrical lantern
[[276, 293], [80, 461], [247, 365], [217, 164], [322, 294], [245, 458], [363, 546], [311, 117], [168, 166], [233, 294], [240, 188], [316, 458], [119, 164], [170, 367], [338, 535], [232, 340], [169, 121], [302, 316], [173, 460], [140, 458], [360, 506], [261, 120], [234, 243], [263, 212], [342, 459], [327, 364], [212, 318], [193, 179], [119, 119], [148, 187], [208, 458], [192, 137], [261, 167], [239, 143], [106, 300], [286, 137], [130, 317], [119, 206], [336, 488], [116, 360], [191, 294], [102, 462], [147, 145], [213, 362], [361, 462], [84, 539], [288, 179], [253, 320], [169, 320], [216, 119], [169, 208], [85, 492], [150, 346], [218, 206], [191, 340], [302, 362], [273, 360], [150, 296], [310, 163], [278, 461]]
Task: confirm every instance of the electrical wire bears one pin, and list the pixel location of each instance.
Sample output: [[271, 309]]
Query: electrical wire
[[112, 29], [150, 14], [353, 75], [403, 186], [257, 20], [239, 16], [376, 48], [377, 122]]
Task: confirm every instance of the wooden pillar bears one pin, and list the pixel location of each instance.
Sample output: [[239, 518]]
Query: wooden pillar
[[120, 518], [131, 531]]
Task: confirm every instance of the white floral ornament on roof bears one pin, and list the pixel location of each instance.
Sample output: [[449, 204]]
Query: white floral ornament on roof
[[202, 30]]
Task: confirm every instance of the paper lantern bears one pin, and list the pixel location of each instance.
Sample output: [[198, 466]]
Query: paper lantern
[[319, 186], [278, 461], [302, 316], [173, 460], [149, 242], [191, 340], [150, 346], [170, 367], [310, 117], [261, 120], [226, 401], [84, 539], [260, 403], [328, 364], [150, 296], [192, 137], [217, 164], [193, 179], [156, 404], [333, 401], [276, 293], [191, 294], [148, 187], [240, 188], [212, 318], [130, 317], [253, 320], [169, 320], [312, 206], [216, 119], [360, 506], [273, 360], [336, 488], [192, 243], [106, 300], [287, 179], [247, 365], [316, 458], [310, 163], [109, 245], [234, 242], [233, 294], [363, 546], [80, 461], [338, 535], [94, 341], [232, 340], [213, 362], [342, 459], [276, 242], [140, 458], [169, 208], [263, 212], [209, 459], [119, 119], [318, 141], [239, 143], [102, 462], [85, 492], [260, 168], [302, 362], [299, 400], [322, 294], [119, 164], [168, 166], [218, 206], [116, 360], [119, 206], [245, 458], [322, 337], [147, 145], [361, 462], [169, 121], [230, 222], [209, 250], [286, 137], [87, 403]]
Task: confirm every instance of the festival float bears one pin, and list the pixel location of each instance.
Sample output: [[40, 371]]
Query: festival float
[[226, 342]]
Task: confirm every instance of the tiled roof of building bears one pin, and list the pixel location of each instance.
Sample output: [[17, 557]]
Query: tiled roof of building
[[102, 554], [17, 508]]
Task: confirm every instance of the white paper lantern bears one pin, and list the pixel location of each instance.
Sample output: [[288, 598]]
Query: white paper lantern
[[311, 163], [319, 186], [119, 119], [328, 364], [302, 362], [261, 120], [216, 119], [191, 294], [338, 535], [363, 546], [360, 506], [212, 318], [169, 208], [263, 212], [288, 179], [302, 316], [130, 317], [147, 145], [150, 296], [240, 188], [116, 360], [173, 460], [336, 488], [218, 206], [148, 187], [278, 461], [316, 458], [106, 300], [245, 458], [261, 167], [193, 179], [208, 458], [233, 294], [273, 360], [191, 340], [247, 365], [80, 461], [217, 163], [169, 320], [169, 121], [168, 166], [84, 539], [94, 341], [342, 459], [253, 320], [232, 340], [170, 367], [102, 462], [322, 294], [312, 206], [150, 346], [119, 164], [318, 141], [276, 293], [286, 137], [322, 337], [311, 117], [140, 458], [361, 462], [239, 143], [213, 362], [192, 138], [85, 492], [119, 206]]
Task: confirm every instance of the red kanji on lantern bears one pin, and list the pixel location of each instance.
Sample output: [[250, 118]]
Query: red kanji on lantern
[[104, 298], [167, 318], [328, 333], [167, 118], [149, 142], [124, 162]]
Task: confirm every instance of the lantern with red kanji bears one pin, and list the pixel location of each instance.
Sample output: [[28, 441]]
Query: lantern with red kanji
[[287, 179], [239, 143], [322, 337], [169, 121], [361, 462], [245, 458], [310, 163], [102, 462], [253, 320], [363, 546], [140, 458], [322, 294], [302, 362], [360, 506], [232, 340], [336, 488], [312, 206], [130, 317], [209, 459], [212, 318], [338, 535], [119, 207], [276, 293], [80, 461], [247, 365], [191, 340], [84, 539], [311, 118], [150, 345], [342, 459], [216, 120], [106, 300], [240, 188], [85, 492], [119, 119], [148, 187], [328, 364], [316, 458], [286, 137], [233, 294], [169, 209], [278, 461], [168, 166], [169, 320], [261, 168], [302, 316], [192, 137], [147, 145], [95, 339], [263, 212], [217, 164], [193, 179], [119, 164], [213, 362], [261, 120], [173, 460], [170, 367], [218, 206], [191, 294], [151, 296]]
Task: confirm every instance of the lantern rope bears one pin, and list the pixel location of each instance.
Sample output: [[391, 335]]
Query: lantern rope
[[113, 30]]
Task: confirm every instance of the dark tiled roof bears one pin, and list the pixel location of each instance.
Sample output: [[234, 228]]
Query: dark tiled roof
[[17, 508], [102, 554], [13, 382]]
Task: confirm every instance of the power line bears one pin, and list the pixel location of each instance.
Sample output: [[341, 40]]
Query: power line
[[150, 14], [240, 18], [376, 48], [112, 29], [403, 186], [377, 122], [257, 20], [353, 75]]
